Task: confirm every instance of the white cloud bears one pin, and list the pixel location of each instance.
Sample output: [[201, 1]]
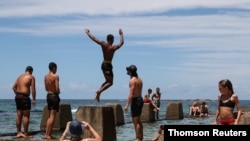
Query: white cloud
[[27, 8]]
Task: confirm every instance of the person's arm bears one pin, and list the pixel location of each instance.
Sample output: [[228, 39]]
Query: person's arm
[[92, 37], [237, 103], [64, 135], [121, 40], [33, 88], [57, 84], [130, 96], [153, 96], [14, 88], [217, 111], [97, 137]]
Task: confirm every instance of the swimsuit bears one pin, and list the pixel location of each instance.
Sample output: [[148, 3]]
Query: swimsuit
[[227, 122], [23, 101], [136, 106], [146, 100], [204, 110], [53, 101], [107, 68], [228, 103]]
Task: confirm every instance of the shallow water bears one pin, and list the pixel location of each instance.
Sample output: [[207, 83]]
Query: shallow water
[[124, 132]]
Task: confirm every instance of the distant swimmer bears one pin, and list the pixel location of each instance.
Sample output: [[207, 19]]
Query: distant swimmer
[[108, 50]]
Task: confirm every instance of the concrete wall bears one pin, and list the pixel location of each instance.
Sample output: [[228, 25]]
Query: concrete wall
[[102, 120], [62, 117]]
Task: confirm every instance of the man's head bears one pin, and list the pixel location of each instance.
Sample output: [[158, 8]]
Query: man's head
[[29, 69], [149, 90], [110, 38], [52, 65], [132, 70], [76, 129]]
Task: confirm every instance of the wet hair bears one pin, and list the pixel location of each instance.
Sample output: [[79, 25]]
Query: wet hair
[[29, 69], [227, 83], [52, 65], [132, 70]]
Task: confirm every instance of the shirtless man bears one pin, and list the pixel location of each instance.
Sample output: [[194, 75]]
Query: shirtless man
[[108, 50], [136, 100], [51, 81], [22, 87]]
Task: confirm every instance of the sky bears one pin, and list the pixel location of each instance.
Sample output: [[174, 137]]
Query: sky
[[184, 47]]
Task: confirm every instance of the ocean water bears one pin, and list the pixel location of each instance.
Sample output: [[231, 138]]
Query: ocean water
[[124, 132]]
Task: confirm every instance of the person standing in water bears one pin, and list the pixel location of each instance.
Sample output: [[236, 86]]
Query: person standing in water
[[23, 86], [108, 50]]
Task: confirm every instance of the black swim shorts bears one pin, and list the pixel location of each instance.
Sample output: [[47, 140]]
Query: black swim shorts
[[107, 69], [23, 101], [136, 106], [53, 101]]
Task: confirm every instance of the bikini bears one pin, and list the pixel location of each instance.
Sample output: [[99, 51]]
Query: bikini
[[230, 104]]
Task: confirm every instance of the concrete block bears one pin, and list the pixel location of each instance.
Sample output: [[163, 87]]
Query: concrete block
[[102, 119], [118, 113], [62, 117], [245, 116], [147, 112], [174, 111]]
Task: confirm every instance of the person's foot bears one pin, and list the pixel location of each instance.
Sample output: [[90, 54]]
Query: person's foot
[[97, 96], [47, 137], [20, 135], [27, 135]]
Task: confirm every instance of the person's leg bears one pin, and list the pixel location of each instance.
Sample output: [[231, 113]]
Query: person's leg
[[26, 118], [108, 82], [50, 124], [138, 128], [19, 118], [157, 113], [155, 107]]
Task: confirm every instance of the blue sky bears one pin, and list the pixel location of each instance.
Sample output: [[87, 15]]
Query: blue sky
[[183, 46]]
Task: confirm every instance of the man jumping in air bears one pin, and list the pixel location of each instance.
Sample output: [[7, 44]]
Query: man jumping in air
[[108, 50]]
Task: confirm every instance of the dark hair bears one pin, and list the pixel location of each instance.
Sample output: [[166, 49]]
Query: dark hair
[[227, 83], [29, 69], [52, 65], [110, 37], [149, 89], [132, 70]]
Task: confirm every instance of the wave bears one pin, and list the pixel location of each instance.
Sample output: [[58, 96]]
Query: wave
[[73, 110]]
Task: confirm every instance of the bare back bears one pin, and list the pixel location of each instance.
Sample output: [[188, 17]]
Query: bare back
[[23, 83], [51, 82], [135, 85], [108, 51]]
